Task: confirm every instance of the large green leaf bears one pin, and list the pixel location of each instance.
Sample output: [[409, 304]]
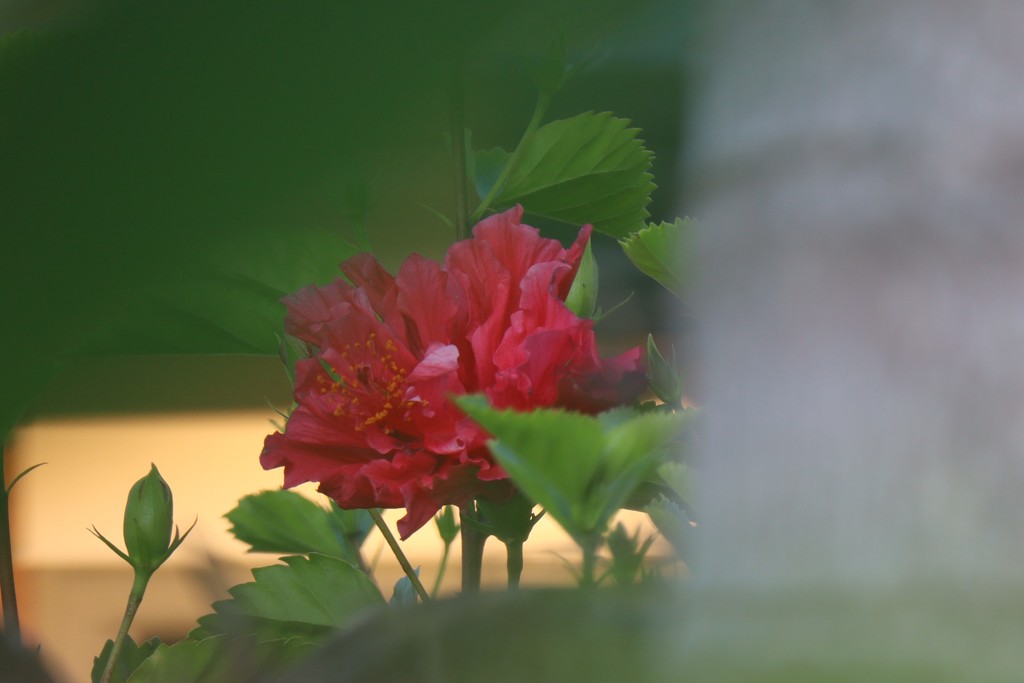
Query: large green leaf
[[227, 302], [286, 522], [580, 468], [591, 168], [660, 251], [306, 597]]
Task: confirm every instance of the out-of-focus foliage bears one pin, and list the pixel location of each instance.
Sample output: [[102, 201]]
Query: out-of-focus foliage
[[147, 151]]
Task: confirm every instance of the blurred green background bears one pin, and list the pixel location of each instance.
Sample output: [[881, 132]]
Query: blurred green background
[[165, 166]]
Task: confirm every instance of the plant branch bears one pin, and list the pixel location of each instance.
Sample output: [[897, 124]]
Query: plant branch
[[402, 559], [12, 626], [134, 600], [538, 115]]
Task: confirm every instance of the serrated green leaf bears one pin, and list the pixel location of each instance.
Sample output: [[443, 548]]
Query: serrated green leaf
[[130, 659], [287, 522], [306, 597], [580, 468], [591, 168], [672, 521], [677, 475], [660, 251]]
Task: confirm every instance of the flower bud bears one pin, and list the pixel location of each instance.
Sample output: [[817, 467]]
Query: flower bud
[[582, 297], [148, 518], [663, 375]]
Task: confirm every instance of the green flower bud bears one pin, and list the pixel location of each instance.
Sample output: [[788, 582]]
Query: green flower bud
[[582, 297], [148, 519], [446, 526], [663, 375]]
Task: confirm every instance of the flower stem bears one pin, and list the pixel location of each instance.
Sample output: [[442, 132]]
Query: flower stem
[[402, 559], [134, 600], [589, 546], [12, 626], [538, 115], [514, 563], [472, 550], [458, 128], [441, 570]]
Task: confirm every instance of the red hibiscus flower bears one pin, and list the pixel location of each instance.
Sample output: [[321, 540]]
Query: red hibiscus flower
[[373, 423]]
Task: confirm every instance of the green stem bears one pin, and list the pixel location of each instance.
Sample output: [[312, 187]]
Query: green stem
[[134, 600], [589, 547], [538, 115], [514, 563], [458, 128], [402, 559], [441, 570], [12, 626], [472, 550]]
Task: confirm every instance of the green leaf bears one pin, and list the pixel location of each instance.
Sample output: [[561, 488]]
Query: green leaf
[[661, 252], [187, 660], [306, 597], [587, 169], [228, 303], [672, 520], [131, 657], [487, 165], [510, 521], [580, 468], [287, 522], [678, 477], [582, 297], [219, 659]]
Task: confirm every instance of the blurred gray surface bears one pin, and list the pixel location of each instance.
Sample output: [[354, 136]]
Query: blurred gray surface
[[858, 170]]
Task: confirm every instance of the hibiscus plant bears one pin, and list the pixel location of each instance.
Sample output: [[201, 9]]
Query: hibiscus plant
[[471, 385]]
